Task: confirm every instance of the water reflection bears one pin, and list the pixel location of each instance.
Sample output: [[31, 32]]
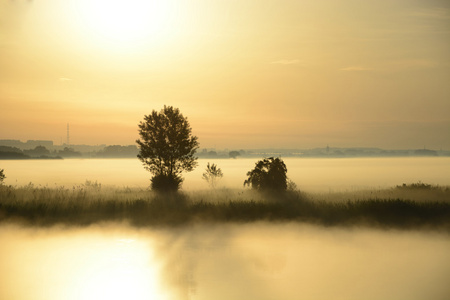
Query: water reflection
[[77, 264], [120, 269], [252, 261]]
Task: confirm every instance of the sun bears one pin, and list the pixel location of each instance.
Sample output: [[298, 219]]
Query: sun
[[126, 23]]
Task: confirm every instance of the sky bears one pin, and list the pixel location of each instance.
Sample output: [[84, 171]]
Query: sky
[[247, 74]]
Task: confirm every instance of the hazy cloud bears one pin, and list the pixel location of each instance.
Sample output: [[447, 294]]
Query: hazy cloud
[[434, 13], [64, 79], [286, 62], [404, 64], [414, 64], [356, 69]]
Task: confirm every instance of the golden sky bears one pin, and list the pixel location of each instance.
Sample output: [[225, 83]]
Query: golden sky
[[247, 74]]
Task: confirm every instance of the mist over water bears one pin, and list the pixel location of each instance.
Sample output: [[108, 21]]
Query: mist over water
[[253, 261], [311, 175]]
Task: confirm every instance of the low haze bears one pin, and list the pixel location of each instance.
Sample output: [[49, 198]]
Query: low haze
[[310, 175], [247, 74]]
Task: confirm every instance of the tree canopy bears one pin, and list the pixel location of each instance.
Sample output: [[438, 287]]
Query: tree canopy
[[167, 147]]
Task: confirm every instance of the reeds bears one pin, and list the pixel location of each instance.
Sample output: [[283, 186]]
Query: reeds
[[91, 203]]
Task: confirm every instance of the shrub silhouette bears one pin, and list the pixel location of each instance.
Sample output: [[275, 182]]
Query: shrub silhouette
[[167, 147], [163, 182], [2, 176], [268, 174], [212, 174]]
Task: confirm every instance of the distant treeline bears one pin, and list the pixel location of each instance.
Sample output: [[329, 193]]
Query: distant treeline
[[41, 152], [131, 151], [90, 203], [118, 151]]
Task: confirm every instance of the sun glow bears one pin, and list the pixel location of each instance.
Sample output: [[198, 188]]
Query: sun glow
[[126, 23]]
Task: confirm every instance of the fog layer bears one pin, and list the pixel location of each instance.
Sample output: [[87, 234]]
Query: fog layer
[[310, 175]]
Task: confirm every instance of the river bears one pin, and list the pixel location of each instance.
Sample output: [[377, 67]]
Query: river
[[245, 261]]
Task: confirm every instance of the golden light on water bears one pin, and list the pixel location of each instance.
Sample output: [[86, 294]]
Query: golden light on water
[[119, 271], [240, 261], [84, 264]]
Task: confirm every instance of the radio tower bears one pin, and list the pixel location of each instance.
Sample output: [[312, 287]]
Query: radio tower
[[68, 136]]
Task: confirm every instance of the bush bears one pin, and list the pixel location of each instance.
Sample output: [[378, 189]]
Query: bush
[[168, 183], [212, 174], [2, 176], [268, 174]]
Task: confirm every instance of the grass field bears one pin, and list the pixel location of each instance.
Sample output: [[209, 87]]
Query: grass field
[[404, 207]]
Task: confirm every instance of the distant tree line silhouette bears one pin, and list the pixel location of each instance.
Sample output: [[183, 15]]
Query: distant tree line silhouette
[[7, 152], [41, 152], [118, 151]]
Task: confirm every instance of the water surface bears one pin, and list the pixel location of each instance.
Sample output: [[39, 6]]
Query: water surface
[[254, 261]]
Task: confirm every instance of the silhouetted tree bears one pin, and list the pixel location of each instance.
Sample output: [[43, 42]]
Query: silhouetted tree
[[212, 174], [2, 176], [268, 174], [167, 147], [234, 154]]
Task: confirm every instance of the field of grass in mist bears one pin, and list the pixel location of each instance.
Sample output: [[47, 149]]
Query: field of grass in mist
[[404, 207]]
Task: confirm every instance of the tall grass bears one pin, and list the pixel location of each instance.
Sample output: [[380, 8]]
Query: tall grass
[[91, 203]]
